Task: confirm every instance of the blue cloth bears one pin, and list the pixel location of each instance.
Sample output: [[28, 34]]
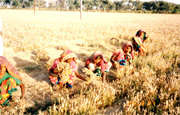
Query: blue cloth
[[66, 83], [58, 81], [128, 55], [69, 85], [138, 46], [122, 62]]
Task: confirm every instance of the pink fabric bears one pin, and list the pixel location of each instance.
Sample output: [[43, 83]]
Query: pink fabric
[[55, 63], [73, 65], [108, 65], [119, 55], [66, 55], [102, 65], [126, 45], [92, 58], [74, 68], [88, 61], [95, 54]]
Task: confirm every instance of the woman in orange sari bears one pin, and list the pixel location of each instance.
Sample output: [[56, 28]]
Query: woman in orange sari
[[67, 57], [9, 79], [138, 42]]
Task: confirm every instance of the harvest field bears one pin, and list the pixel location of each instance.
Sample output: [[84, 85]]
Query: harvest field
[[150, 85]]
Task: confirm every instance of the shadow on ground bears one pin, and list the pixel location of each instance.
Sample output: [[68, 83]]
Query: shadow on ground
[[37, 70]]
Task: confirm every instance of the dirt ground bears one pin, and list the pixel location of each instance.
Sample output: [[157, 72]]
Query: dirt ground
[[39, 93]]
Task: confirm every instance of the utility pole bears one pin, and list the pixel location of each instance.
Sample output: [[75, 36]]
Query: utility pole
[[34, 6], [81, 10]]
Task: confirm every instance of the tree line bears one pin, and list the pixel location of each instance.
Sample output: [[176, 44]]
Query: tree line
[[96, 5]]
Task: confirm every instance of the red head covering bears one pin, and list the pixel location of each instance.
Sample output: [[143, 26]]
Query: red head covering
[[9, 68], [66, 55], [126, 45], [138, 34], [95, 54], [92, 58], [119, 55]]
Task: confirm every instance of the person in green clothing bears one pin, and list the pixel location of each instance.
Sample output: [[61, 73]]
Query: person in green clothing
[[9, 79]]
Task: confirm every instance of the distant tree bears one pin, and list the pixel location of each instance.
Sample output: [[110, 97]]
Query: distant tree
[[96, 3], [88, 4], [147, 5], [162, 6], [176, 9], [138, 5], [3, 3], [111, 5], [77, 4], [71, 4], [107, 5], [154, 6], [118, 5], [51, 4], [8, 1], [150, 6], [130, 1], [17, 3], [41, 4], [61, 4], [30, 3]]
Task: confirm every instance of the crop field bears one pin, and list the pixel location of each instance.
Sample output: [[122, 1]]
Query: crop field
[[151, 84]]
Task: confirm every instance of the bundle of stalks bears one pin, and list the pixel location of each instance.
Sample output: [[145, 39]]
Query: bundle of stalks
[[90, 76], [64, 71]]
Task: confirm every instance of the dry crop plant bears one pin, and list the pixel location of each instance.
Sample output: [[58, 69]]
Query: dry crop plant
[[92, 95], [153, 86]]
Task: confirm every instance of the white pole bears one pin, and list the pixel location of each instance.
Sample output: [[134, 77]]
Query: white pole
[[34, 6], [81, 10]]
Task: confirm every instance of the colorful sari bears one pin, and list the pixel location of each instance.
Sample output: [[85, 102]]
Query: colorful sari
[[117, 56], [130, 54], [142, 37], [9, 68], [1, 45], [139, 40], [1, 41], [8, 80], [102, 66], [8, 85], [55, 79]]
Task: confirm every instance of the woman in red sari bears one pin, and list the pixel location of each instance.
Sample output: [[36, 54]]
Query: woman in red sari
[[70, 58], [98, 64], [128, 52], [9, 79], [118, 56]]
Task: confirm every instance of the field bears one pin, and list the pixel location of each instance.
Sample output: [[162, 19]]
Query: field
[[150, 85]]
